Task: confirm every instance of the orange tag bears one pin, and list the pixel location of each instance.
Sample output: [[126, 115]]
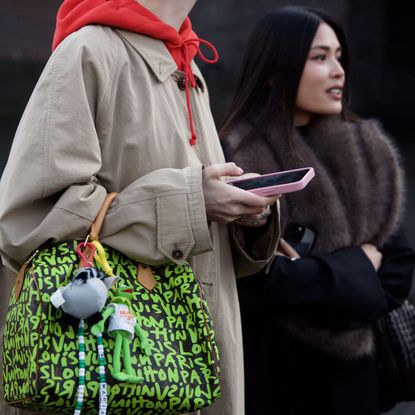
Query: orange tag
[[145, 277]]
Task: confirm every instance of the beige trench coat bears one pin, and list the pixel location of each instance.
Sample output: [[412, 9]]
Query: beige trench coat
[[107, 115]]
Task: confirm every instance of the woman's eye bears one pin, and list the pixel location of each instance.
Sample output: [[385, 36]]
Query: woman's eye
[[319, 58]]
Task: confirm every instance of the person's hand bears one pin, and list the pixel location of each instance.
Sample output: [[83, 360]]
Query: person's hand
[[374, 255], [255, 221], [225, 203]]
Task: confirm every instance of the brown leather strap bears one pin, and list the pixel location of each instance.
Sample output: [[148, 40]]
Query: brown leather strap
[[20, 280], [99, 220], [93, 235]]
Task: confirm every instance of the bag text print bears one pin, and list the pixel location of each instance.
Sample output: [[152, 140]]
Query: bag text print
[[40, 350]]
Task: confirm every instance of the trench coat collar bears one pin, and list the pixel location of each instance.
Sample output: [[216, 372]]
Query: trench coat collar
[[154, 52]]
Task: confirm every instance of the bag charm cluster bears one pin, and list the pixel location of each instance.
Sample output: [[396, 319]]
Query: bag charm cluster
[[83, 297]]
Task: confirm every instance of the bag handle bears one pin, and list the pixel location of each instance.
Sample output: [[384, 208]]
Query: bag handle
[[99, 220], [95, 229], [144, 273], [93, 235]]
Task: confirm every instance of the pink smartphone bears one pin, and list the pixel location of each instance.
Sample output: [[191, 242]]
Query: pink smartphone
[[276, 183]]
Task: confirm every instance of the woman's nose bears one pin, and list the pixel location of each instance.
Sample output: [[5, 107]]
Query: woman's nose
[[337, 70]]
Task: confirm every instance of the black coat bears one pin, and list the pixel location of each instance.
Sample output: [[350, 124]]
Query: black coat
[[307, 325], [341, 290]]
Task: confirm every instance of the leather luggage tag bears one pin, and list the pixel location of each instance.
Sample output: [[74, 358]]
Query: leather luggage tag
[[145, 277]]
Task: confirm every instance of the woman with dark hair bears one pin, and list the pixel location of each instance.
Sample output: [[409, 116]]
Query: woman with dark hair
[[308, 321]]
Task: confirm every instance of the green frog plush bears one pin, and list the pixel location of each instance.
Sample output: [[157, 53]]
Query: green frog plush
[[122, 327]]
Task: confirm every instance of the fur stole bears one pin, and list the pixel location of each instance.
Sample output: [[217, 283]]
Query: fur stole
[[356, 197]]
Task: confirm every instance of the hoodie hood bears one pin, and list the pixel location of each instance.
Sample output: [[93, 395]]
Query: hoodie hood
[[122, 14], [132, 16]]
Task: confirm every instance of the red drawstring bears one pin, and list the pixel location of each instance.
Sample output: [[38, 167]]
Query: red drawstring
[[190, 78]]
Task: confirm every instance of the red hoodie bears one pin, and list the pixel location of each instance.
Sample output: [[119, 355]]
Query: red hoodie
[[130, 15]]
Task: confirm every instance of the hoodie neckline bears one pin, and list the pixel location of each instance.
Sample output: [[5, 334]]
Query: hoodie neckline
[[122, 14], [130, 15]]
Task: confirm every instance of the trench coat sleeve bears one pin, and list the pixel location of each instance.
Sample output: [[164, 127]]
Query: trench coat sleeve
[[254, 248], [340, 289], [50, 189], [160, 216]]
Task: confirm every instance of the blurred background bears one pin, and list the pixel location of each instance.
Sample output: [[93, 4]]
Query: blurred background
[[381, 39], [380, 33]]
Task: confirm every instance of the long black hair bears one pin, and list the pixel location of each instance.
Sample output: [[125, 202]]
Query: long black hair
[[273, 63]]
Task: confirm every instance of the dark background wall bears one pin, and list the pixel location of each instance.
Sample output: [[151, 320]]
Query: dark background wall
[[382, 45], [379, 31]]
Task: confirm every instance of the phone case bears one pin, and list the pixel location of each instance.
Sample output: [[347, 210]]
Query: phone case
[[279, 188]]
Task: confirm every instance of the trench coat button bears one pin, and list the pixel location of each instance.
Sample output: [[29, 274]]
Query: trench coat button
[[181, 83], [177, 254]]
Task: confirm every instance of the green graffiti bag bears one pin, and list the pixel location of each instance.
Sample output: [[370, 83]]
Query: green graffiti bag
[[40, 347]]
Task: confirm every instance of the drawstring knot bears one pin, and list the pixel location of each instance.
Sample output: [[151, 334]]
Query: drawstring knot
[[189, 76]]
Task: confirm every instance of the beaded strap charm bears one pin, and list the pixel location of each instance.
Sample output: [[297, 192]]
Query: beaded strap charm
[[91, 281], [103, 396], [81, 376]]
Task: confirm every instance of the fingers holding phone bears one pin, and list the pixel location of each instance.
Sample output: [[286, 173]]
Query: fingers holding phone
[[255, 221], [275, 183], [224, 203], [272, 184]]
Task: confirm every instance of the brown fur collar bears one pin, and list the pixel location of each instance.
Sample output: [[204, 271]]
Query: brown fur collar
[[355, 197]]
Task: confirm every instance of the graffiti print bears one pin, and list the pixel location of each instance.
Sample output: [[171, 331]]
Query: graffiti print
[[40, 346]]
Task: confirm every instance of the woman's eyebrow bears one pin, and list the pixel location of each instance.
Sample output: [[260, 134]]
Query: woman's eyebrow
[[325, 47]]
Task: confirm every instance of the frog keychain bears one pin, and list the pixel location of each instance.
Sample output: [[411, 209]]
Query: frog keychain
[[122, 326]]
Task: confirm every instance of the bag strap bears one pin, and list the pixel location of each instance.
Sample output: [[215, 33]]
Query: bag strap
[[145, 274], [96, 226], [93, 235], [99, 220]]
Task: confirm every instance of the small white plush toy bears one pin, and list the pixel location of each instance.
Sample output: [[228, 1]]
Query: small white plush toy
[[85, 295]]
